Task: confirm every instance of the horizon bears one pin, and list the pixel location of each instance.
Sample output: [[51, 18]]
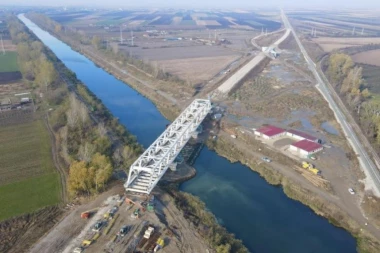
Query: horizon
[[213, 4]]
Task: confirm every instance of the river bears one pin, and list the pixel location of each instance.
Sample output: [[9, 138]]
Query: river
[[259, 214]]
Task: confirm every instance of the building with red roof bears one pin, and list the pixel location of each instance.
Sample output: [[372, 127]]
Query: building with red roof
[[298, 135], [306, 147], [270, 132]]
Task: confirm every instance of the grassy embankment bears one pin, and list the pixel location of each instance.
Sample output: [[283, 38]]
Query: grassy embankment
[[29, 180]]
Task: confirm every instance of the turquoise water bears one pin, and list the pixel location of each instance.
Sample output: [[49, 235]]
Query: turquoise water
[[256, 212]]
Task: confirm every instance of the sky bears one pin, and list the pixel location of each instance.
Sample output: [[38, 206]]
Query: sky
[[363, 4]]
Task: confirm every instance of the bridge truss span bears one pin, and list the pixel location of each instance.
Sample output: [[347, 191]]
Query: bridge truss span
[[149, 168]]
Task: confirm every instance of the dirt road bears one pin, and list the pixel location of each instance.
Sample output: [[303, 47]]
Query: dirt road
[[168, 220], [342, 198]]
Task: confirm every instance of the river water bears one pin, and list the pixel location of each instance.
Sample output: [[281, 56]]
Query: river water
[[259, 214]]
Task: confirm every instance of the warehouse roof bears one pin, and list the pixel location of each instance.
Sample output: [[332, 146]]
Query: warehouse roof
[[307, 145], [303, 135], [270, 130]]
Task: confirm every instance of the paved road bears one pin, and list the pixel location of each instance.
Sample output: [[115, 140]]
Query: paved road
[[239, 75], [370, 169]]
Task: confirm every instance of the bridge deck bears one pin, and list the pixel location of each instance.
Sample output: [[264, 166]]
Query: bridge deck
[[148, 169]]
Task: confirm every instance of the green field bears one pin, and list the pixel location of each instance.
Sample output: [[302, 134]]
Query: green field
[[110, 22], [28, 179], [371, 75], [8, 62]]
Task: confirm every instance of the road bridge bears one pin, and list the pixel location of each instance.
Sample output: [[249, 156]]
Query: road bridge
[[149, 168]]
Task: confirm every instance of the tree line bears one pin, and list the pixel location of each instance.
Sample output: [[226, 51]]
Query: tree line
[[85, 144], [33, 61], [347, 79]]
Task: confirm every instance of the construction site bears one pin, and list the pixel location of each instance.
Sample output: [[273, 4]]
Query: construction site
[[124, 223], [266, 113]]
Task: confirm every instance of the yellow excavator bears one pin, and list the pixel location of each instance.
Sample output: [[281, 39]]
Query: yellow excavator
[[310, 167]]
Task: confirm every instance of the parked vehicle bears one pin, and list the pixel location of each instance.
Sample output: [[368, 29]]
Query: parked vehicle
[[123, 231], [350, 190], [266, 159], [98, 226], [78, 250], [149, 232]]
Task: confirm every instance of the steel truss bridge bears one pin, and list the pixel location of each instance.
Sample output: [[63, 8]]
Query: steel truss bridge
[[149, 168]]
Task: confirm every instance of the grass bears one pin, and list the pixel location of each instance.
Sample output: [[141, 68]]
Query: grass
[[28, 179], [25, 152], [29, 195], [372, 77], [8, 62]]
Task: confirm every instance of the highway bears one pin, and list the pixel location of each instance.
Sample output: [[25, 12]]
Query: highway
[[370, 169]]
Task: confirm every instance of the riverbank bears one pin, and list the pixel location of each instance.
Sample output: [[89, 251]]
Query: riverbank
[[229, 241], [335, 215], [230, 151]]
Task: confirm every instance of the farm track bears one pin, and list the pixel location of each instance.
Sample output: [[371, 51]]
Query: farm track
[[62, 172]]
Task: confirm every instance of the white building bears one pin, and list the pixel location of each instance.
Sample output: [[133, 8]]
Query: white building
[[305, 147]]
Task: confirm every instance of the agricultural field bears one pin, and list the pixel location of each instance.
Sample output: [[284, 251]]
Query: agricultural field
[[371, 57], [337, 23], [28, 179], [168, 19], [195, 45], [197, 69], [8, 62], [329, 44]]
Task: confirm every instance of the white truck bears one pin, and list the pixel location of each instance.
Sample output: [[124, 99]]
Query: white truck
[[149, 232]]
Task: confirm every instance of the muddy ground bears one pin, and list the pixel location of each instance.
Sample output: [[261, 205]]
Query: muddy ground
[[18, 234], [169, 223]]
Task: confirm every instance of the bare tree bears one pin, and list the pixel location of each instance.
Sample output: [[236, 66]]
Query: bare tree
[[86, 151], [83, 113], [72, 118], [102, 130], [73, 114], [64, 151]]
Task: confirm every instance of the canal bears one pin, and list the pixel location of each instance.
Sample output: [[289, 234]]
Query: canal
[[259, 214]]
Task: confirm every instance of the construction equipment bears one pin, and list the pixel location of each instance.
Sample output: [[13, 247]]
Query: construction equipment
[[136, 214], [310, 167], [86, 243], [87, 214], [159, 244], [149, 232], [150, 205], [111, 213]]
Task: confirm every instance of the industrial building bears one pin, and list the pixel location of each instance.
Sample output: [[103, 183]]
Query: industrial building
[[298, 135], [305, 147], [270, 132]]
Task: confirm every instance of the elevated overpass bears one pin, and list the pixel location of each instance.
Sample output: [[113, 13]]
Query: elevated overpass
[[149, 168]]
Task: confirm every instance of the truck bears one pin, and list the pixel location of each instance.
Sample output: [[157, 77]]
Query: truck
[[148, 232], [159, 244], [87, 214]]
